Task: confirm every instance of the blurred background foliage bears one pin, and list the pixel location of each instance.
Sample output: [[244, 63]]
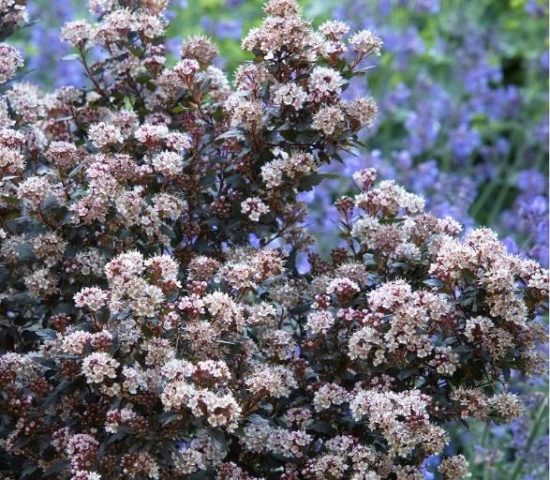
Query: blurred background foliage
[[463, 93]]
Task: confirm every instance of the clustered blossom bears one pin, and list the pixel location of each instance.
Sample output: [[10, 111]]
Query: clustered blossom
[[99, 366], [13, 13], [329, 120], [10, 62], [104, 134], [454, 468], [11, 161], [162, 326], [289, 95], [366, 42], [77, 33], [325, 83], [91, 297], [253, 208], [402, 419], [286, 168], [319, 322]]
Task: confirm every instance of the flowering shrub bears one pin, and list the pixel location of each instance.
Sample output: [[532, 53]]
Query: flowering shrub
[[481, 133], [155, 321], [476, 146]]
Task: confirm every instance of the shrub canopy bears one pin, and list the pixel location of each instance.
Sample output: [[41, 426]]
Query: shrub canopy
[[155, 319]]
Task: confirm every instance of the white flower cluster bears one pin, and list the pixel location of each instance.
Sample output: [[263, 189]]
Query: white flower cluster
[[286, 167], [254, 208], [10, 62], [99, 366]]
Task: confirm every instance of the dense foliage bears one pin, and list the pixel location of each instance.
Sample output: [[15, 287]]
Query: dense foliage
[[157, 323]]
